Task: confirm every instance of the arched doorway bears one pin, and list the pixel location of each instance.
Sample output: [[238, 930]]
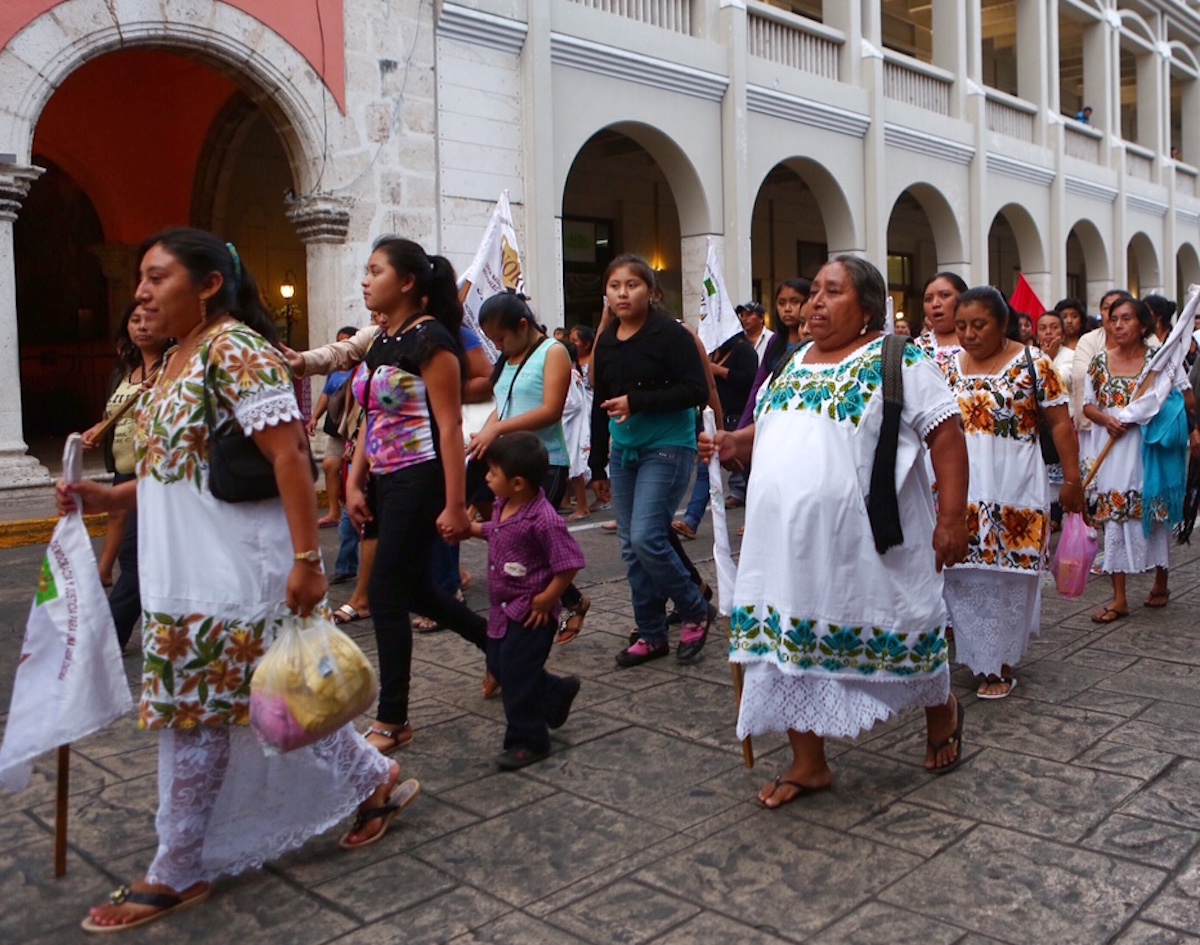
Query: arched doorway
[[617, 199], [1187, 271], [1141, 260], [1015, 248], [140, 177], [1088, 273], [922, 239], [801, 217]]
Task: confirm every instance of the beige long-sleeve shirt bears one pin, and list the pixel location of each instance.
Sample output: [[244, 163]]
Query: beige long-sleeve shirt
[[339, 355]]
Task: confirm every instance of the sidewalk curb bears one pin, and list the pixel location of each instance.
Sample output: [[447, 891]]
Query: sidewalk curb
[[37, 531]]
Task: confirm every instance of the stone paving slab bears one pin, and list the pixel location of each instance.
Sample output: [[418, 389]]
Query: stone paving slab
[[1075, 817]]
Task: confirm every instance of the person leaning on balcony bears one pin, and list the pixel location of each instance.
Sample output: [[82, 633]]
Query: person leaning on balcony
[[1084, 115]]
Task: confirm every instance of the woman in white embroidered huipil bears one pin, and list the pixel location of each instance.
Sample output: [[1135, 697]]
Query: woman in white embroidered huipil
[[994, 596], [834, 635], [217, 580]]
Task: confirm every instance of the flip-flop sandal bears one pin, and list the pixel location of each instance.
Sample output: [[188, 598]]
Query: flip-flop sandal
[[955, 739], [399, 737], [1158, 599], [347, 614], [802, 790], [572, 621], [403, 794], [578, 516], [165, 903], [327, 523], [491, 686], [425, 625], [1104, 615], [1010, 681]]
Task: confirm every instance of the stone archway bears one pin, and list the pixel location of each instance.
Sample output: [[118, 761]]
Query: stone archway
[[37, 60], [923, 237], [1143, 270], [1015, 246], [1096, 273]]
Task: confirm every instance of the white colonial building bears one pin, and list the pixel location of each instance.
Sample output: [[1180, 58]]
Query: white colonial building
[[924, 134]]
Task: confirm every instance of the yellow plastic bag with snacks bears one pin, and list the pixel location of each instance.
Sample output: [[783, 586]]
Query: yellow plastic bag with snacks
[[313, 680]]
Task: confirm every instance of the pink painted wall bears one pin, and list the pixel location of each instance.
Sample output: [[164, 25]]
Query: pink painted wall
[[129, 127], [317, 31]]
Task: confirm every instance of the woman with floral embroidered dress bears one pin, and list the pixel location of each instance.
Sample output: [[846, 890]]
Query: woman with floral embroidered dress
[[841, 636], [217, 580], [1136, 538], [995, 595]]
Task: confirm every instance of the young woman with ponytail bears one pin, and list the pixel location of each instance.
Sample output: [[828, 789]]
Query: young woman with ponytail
[[406, 484]]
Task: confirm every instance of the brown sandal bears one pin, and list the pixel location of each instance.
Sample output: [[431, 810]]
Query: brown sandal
[[572, 621]]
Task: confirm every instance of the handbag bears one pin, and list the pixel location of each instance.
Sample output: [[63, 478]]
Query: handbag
[[1045, 440], [237, 469], [335, 409]]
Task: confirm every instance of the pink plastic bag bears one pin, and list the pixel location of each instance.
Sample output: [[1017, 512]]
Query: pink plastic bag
[[1073, 559]]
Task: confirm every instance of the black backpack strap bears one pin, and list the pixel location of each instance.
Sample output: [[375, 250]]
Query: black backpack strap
[[883, 507]]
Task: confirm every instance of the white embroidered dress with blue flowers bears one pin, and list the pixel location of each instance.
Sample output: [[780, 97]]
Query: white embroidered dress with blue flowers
[[835, 636]]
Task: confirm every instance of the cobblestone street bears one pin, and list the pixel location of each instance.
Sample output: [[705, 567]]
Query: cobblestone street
[[1073, 819]]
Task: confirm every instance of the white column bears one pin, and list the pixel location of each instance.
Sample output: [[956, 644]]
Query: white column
[[17, 467], [322, 222], [736, 196], [542, 251]]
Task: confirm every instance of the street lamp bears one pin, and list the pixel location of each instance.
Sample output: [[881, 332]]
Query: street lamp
[[288, 291]]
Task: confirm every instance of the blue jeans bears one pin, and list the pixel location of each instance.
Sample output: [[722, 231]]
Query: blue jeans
[[347, 556], [699, 500], [645, 492]]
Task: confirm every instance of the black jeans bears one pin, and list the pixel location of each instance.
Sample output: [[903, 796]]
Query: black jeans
[[125, 598], [531, 695], [406, 506]]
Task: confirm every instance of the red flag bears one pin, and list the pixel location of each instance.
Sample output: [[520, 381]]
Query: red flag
[[1025, 300]]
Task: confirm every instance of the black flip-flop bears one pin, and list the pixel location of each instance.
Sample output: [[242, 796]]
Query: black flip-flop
[[165, 903], [1103, 616], [955, 739], [402, 795], [802, 790]]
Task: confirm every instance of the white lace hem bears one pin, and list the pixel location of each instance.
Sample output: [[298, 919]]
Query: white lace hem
[[830, 706], [937, 418], [995, 616], [226, 807], [268, 409], [1127, 550]]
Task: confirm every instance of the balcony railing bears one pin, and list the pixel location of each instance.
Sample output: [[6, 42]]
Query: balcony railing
[[792, 41], [1185, 179], [1082, 142], [674, 15], [915, 83], [1010, 116], [1139, 162]]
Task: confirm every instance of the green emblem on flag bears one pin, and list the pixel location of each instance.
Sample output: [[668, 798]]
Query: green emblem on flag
[[47, 589], [710, 287]]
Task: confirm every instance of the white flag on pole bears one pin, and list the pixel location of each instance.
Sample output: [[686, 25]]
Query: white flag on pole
[[495, 268], [1166, 365], [722, 555], [70, 681], [718, 319]]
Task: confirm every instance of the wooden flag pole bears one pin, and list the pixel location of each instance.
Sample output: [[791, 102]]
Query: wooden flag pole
[[63, 790], [739, 678]]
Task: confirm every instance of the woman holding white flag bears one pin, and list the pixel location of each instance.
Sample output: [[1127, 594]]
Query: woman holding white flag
[[1140, 481], [840, 627], [217, 580]]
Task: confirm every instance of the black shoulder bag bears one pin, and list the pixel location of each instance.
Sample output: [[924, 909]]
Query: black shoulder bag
[[237, 469], [1045, 440], [883, 507]]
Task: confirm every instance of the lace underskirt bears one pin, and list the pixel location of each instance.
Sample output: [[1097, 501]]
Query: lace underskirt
[[226, 807], [830, 706], [1127, 550], [995, 614]]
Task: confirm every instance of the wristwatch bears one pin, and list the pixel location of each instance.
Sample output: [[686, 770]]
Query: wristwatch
[[312, 557]]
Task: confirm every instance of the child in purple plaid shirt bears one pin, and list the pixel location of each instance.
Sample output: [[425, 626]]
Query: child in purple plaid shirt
[[532, 559]]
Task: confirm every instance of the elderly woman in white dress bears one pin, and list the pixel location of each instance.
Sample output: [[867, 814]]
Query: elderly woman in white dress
[[835, 634]]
